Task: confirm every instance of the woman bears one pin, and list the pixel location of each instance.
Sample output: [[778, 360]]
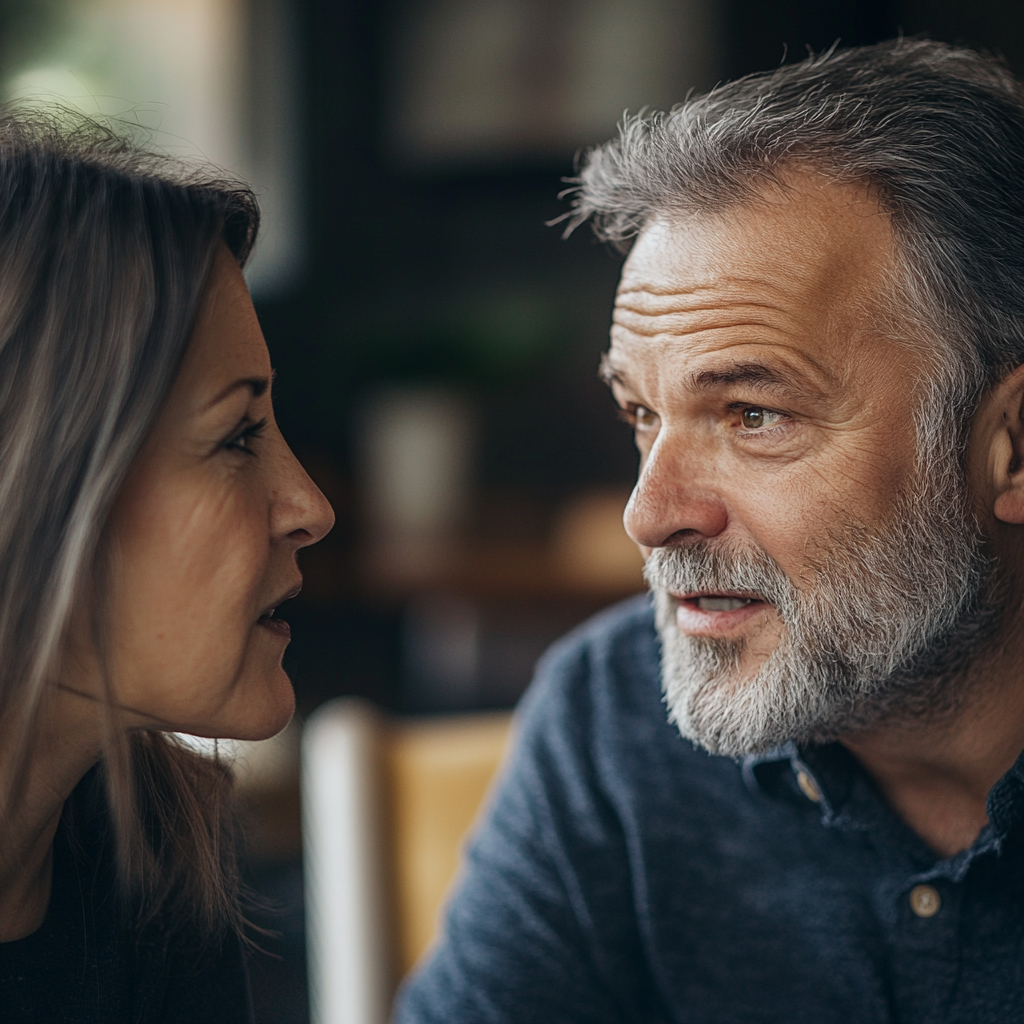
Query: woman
[[150, 513]]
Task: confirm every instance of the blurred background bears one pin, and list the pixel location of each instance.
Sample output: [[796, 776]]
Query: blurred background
[[436, 343]]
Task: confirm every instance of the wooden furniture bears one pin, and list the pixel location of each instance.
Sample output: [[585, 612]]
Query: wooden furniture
[[386, 807]]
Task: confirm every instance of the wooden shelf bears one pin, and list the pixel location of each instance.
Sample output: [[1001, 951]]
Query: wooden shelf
[[586, 558], [496, 571], [484, 571]]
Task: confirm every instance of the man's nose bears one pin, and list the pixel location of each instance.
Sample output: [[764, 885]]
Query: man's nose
[[672, 502]]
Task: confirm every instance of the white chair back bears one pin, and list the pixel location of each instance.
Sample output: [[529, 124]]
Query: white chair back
[[347, 909]]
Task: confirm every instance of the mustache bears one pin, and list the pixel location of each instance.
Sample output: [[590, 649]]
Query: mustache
[[702, 567]]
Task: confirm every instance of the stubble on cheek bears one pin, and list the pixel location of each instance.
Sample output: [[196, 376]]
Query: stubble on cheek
[[757, 647]]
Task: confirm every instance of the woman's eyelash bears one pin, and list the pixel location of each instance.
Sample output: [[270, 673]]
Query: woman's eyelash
[[238, 441]]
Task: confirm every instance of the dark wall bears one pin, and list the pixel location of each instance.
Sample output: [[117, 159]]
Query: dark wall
[[994, 25], [759, 35], [394, 252], [407, 267]]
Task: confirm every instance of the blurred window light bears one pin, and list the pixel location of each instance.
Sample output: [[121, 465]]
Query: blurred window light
[[213, 79], [478, 80]]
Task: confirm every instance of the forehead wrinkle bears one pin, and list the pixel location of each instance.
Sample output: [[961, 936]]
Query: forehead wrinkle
[[692, 310], [680, 324], [711, 303], [786, 285], [750, 310], [725, 285]]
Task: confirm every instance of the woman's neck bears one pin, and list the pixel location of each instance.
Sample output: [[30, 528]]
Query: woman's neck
[[67, 745]]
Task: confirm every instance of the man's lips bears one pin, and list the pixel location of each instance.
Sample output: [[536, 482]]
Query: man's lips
[[716, 613], [275, 625]]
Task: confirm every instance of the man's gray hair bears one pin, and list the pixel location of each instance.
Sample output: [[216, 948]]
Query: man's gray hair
[[935, 131]]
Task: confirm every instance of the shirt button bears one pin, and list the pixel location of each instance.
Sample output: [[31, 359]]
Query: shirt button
[[808, 787], [925, 901]]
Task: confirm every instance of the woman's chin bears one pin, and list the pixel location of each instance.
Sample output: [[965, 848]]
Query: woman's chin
[[262, 701], [267, 730], [258, 709], [266, 714]]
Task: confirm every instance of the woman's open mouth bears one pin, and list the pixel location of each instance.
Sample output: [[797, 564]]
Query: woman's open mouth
[[710, 613], [278, 626]]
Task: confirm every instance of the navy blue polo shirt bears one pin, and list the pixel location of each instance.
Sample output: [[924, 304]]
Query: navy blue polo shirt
[[620, 874]]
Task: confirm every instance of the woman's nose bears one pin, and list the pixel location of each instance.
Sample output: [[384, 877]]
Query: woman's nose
[[300, 510]]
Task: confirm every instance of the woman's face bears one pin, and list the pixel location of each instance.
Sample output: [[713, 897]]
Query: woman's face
[[203, 538]]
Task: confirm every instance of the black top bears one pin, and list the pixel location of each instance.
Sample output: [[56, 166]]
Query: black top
[[86, 966], [620, 875]]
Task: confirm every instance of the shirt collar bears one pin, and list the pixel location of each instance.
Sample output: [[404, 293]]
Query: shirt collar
[[829, 776], [848, 798]]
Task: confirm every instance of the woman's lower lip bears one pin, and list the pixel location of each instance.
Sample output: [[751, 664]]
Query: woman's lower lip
[[277, 626], [694, 621]]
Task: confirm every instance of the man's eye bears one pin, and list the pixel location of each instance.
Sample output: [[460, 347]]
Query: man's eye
[[639, 417], [644, 418], [754, 417]]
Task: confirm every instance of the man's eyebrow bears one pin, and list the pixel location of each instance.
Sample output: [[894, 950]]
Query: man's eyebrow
[[257, 385], [755, 375], [609, 373]]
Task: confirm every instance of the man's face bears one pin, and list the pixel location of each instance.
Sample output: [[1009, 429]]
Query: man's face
[[801, 568]]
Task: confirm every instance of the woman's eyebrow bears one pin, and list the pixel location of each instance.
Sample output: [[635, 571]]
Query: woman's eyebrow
[[257, 385]]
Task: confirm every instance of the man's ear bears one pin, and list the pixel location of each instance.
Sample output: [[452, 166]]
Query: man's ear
[[1005, 416]]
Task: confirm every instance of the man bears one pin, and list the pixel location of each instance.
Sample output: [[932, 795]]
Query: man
[[819, 342]]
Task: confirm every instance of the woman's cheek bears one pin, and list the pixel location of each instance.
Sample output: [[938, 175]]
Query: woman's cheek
[[204, 595], [226, 546]]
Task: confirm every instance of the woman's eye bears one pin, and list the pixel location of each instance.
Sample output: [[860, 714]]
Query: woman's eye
[[754, 417], [241, 441]]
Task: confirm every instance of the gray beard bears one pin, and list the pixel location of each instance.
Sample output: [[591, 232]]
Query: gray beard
[[888, 630]]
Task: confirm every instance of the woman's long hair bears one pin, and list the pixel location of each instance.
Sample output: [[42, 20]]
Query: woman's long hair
[[105, 254]]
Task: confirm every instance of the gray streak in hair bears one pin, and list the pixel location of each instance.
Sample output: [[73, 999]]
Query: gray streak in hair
[[105, 252]]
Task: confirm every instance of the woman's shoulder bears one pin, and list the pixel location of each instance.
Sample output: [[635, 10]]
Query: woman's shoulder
[[77, 965], [89, 962]]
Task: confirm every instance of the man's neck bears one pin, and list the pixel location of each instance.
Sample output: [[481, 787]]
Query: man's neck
[[937, 776]]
